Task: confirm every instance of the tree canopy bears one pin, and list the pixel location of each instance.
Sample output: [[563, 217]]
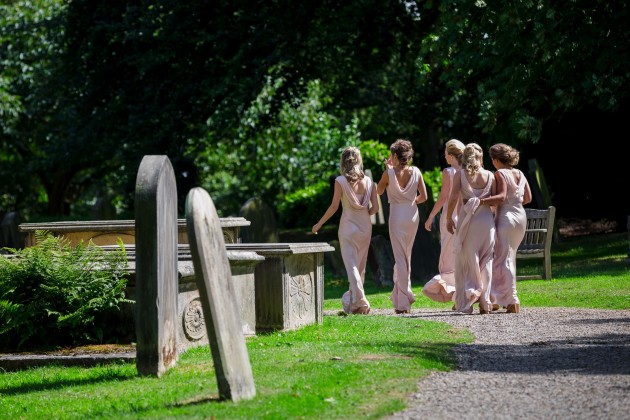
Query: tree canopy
[[88, 88]]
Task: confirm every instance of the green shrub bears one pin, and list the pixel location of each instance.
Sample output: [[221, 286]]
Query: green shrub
[[304, 207], [433, 180], [53, 294], [373, 154]]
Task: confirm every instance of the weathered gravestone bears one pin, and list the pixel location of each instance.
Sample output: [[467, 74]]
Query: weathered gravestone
[[334, 260], [263, 228], [11, 237], [218, 301], [382, 265], [541, 196], [156, 266]]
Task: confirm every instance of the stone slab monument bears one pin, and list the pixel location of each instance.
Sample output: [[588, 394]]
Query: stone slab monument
[[218, 298], [156, 266]]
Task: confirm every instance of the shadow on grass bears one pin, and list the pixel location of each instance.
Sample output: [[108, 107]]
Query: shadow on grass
[[44, 383]]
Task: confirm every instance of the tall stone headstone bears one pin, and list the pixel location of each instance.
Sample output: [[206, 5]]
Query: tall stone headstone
[[263, 228], [218, 301], [156, 266]]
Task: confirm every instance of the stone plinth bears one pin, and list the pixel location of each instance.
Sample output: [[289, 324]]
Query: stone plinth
[[107, 232], [191, 330], [289, 283]]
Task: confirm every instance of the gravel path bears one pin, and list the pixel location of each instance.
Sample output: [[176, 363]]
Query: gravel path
[[543, 363]]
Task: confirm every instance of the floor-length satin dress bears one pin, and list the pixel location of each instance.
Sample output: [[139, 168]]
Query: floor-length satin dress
[[475, 247], [441, 288], [355, 234], [510, 221], [403, 225]]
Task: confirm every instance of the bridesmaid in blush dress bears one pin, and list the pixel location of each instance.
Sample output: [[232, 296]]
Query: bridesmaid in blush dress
[[441, 288], [475, 232], [513, 192], [405, 190], [359, 201]]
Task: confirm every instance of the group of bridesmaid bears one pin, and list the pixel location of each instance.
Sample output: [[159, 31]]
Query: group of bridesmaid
[[482, 224], [358, 195]]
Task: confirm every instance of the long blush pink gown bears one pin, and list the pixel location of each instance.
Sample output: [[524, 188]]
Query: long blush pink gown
[[403, 225], [441, 288], [355, 234], [511, 221], [475, 247]]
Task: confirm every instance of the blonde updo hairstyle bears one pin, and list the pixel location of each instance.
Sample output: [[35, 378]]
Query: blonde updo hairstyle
[[403, 151], [505, 154], [455, 148], [472, 158], [351, 164]]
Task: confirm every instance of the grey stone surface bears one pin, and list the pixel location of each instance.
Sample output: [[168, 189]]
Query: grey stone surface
[[289, 284], [218, 298], [156, 266]]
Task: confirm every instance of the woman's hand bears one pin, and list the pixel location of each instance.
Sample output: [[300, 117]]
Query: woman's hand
[[428, 224], [316, 227], [450, 226], [388, 163]]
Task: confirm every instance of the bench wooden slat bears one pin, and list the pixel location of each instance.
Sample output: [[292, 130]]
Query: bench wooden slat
[[537, 240]]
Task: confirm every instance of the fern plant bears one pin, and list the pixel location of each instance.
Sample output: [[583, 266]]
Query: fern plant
[[54, 294]]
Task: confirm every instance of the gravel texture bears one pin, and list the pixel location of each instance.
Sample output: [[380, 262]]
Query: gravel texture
[[542, 363]]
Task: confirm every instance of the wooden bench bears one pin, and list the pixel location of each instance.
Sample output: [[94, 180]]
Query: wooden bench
[[537, 240]]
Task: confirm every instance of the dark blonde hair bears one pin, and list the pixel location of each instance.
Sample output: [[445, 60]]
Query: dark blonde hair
[[472, 158], [505, 154], [455, 148], [403, 151], [351, 164]]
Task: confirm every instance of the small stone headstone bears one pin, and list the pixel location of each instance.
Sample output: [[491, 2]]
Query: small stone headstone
[[538, 185], [103, 209], [156, 266], [263, 228], [218, 301], [383, 262], [334, 260], [11, 235]]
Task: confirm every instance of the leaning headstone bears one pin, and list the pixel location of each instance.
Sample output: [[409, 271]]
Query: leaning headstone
[[382, 265], [263, 227], [156, 266], [218, 301]]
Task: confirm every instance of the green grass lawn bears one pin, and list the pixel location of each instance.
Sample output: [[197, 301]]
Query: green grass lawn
[[349, 367]]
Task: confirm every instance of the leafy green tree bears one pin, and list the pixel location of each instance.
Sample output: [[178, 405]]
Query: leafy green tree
[[298, 147], [511, 66]]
